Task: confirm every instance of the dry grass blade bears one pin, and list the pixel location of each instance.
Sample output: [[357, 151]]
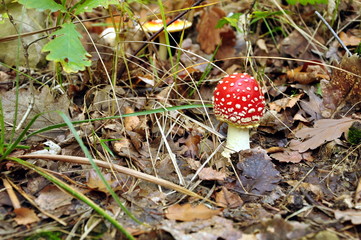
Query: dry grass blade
[[120, 169]]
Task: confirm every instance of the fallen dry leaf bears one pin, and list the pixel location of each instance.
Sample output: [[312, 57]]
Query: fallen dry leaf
[[210, 229], [258, 173], [130, 123], [208, 35], [343, 91], [298, 47], [349, 215], [25, 216], [315, 189], [323, 131], [187, 212], [211, 174], [284, 103], [51, 198], [291, 156], [94, 181], [192, 143], [349, 39], [228, 199]]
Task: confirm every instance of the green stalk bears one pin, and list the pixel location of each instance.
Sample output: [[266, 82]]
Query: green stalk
[[74, 193], [142, 113], [96, 168]]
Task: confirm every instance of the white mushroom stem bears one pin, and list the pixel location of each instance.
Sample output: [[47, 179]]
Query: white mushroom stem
[[162, 47], [237, 140]]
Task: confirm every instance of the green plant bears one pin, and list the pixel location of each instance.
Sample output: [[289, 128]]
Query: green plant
[[66, 48], [305, 2]]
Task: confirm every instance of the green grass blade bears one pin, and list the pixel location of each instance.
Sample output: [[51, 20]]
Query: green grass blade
[[75, 193], [158, 110], [95, 167], [15, 143], [2, 127]]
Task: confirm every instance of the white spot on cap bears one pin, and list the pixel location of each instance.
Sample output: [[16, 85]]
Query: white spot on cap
[[239, 84], [221, 82], [246, 119], [222, 99], [232, 76], [248, 96], [224, 88], [256, 88], [233, 119], [252, 110], [217, 93], [244, 99], [228, 95], [238, 90], [248, 88], [238, 106], [229, 103], [232, 84], [260, 109]]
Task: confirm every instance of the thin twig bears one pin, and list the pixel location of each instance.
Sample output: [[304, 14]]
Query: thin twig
[[120, 169], [333, 33]]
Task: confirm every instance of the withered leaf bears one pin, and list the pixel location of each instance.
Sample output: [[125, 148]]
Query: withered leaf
[[258, 173], [228, 199], [344, 88], [324, 130], [130, 123], [349, 215], [187, 212], [25, 216], [208, 35], [284, 103], [211, 174], [94, 181], [51, 198], [192, 143]]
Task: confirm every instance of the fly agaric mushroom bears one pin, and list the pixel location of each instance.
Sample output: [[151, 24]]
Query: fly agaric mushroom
[[238, 100], [154, 26]]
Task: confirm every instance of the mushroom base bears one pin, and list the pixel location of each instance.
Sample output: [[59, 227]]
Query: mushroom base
[[237, 140]]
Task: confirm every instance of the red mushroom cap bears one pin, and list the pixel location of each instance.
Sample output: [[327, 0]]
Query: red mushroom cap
[[238, 100]]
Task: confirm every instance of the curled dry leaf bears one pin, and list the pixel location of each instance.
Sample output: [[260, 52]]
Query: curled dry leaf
[[130, 123], [25, 216], [187, 212], [211, 174], [323, 131], [284, 103], [349, 39], [349, 215], [228, 199]]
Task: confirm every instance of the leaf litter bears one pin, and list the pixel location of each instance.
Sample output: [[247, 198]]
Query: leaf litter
[[306, 185]]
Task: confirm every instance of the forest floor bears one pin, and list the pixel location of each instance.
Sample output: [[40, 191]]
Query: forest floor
[[160, 143]]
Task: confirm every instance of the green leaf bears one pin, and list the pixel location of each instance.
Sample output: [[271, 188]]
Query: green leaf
[[67, 49], [231, 20], [305, 2], [88, 5], [43, 5]]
